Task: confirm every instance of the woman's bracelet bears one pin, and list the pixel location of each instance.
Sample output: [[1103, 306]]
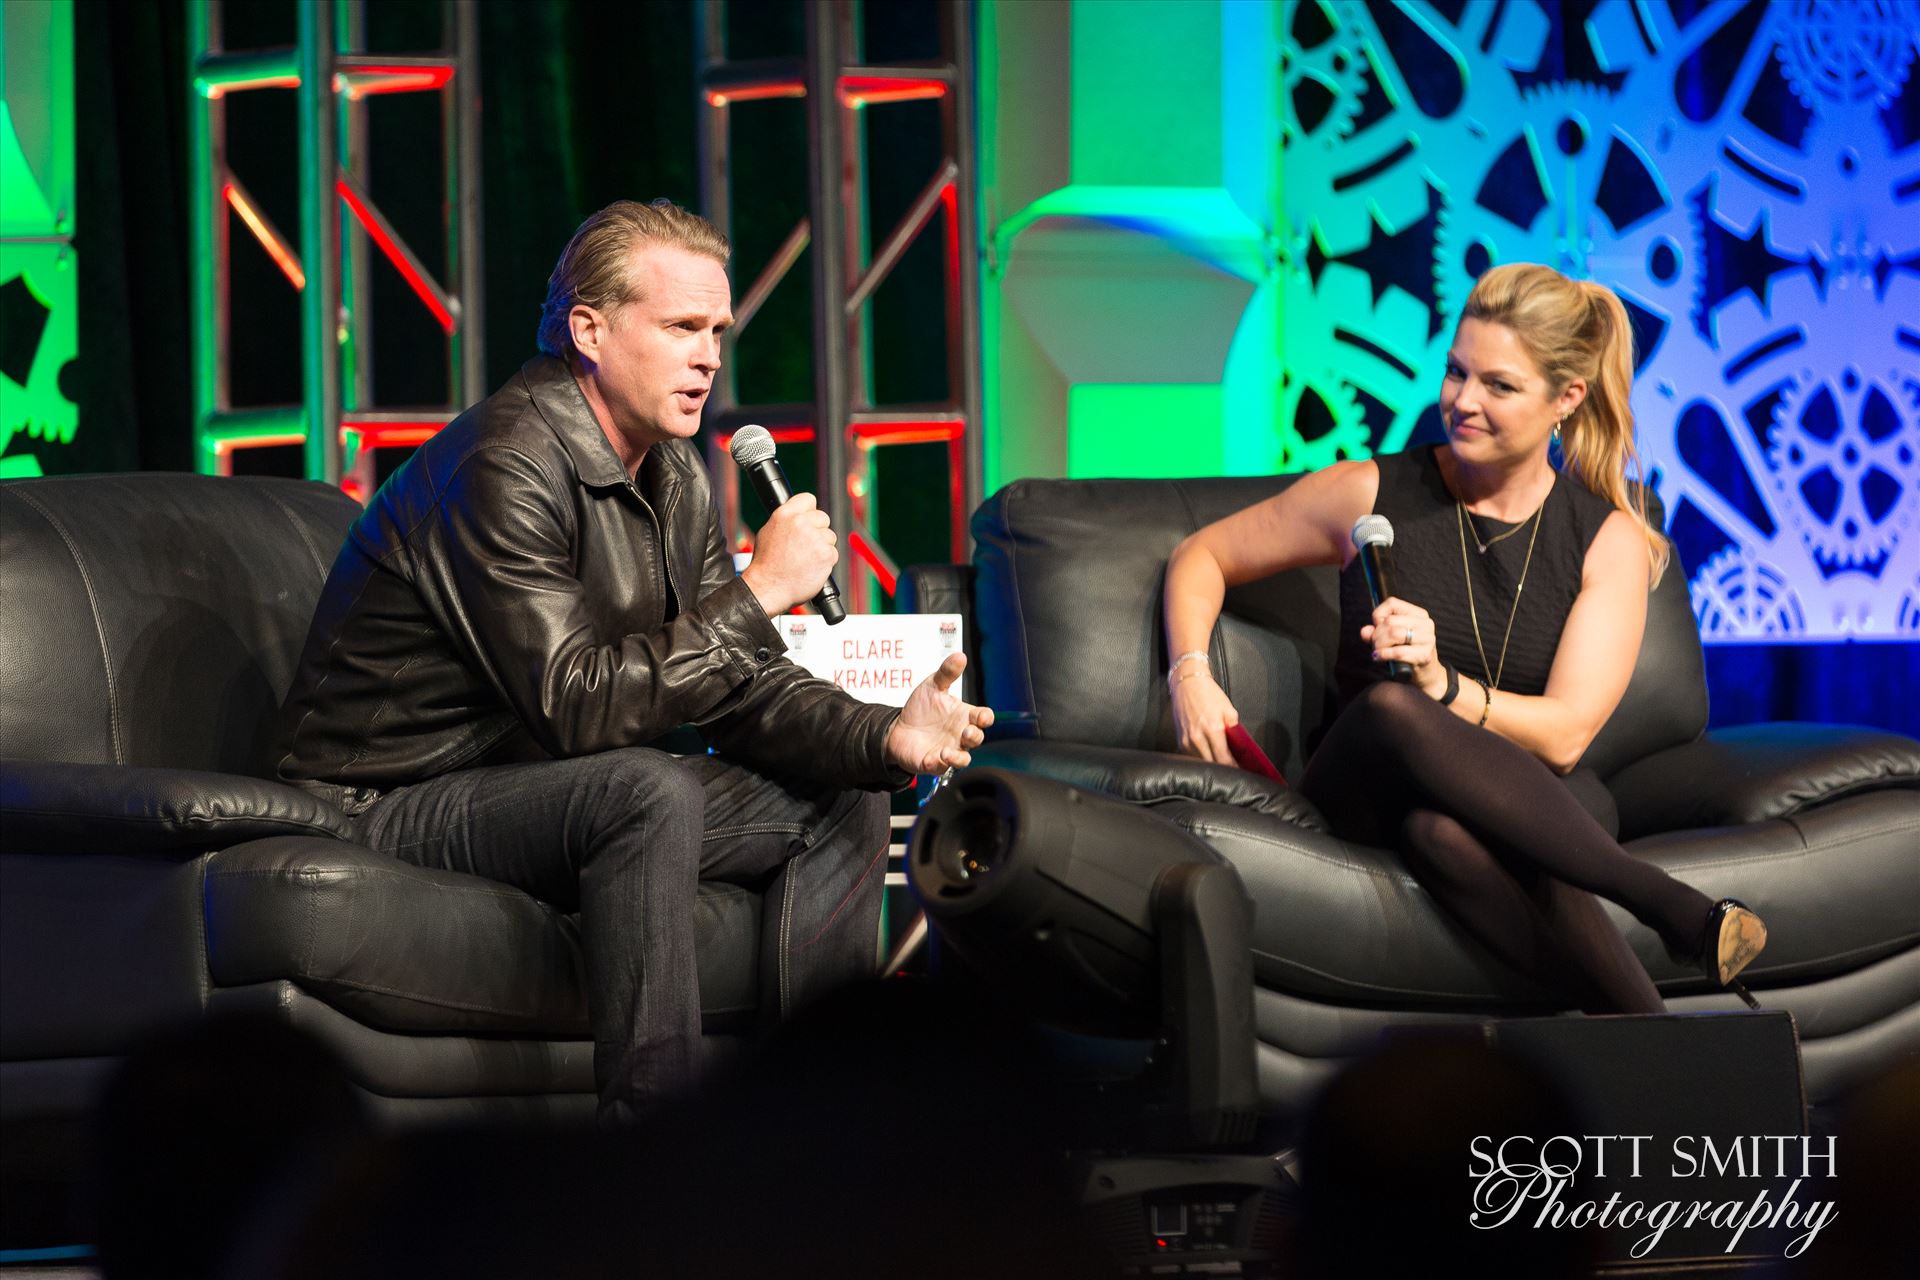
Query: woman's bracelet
[[1188, 656], [1173, 669], [1453, 687], [1486, 692]]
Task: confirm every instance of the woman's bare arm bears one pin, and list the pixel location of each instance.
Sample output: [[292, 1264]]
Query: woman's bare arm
[[1307, 523]]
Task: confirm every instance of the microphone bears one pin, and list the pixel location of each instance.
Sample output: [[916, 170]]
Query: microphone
[[1372, 535], [752, 448]]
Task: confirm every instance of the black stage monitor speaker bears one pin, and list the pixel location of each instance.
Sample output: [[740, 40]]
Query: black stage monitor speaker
[[1694, 1121]]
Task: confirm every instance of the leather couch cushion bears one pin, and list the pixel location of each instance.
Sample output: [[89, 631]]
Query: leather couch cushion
[[68, 807], [1750, 773], [411, 1065], [1149, 777], [1343, 922], [406, 948], [1838, 885], [155, 619], [1067, 613]]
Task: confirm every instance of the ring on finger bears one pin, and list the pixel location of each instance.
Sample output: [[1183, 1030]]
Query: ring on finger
[[1406, 635]]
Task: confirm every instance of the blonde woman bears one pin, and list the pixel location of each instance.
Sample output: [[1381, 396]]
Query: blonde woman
[[1520, 595]]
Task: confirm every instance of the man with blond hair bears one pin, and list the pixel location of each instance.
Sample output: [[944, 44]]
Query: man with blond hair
[[542, 590]]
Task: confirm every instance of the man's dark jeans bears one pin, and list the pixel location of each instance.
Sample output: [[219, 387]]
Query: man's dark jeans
[[623, 837]]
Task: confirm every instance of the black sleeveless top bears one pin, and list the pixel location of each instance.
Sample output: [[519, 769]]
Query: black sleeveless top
[[1426, 570]]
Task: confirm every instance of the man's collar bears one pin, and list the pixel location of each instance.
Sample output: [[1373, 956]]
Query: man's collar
[[560, 402]]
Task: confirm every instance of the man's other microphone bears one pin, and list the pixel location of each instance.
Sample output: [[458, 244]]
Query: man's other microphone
[[1372, 538], [752, 448]]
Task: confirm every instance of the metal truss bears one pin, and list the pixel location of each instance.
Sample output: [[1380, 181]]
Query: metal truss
[[842, 421], [331, 267]]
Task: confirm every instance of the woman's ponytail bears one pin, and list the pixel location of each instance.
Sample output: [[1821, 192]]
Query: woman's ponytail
[[1579, 329]]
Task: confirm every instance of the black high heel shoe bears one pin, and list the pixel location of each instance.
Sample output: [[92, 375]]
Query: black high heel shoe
[[1733, 936]]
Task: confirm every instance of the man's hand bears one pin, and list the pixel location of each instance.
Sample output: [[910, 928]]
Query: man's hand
[[936, 731], [792, 555]]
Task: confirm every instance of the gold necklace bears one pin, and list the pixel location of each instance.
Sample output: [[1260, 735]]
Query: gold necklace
[[1460, 513], [1474, 529]]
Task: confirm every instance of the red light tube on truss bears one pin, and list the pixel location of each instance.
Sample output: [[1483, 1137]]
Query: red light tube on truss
[[862, 91], [376, 228], [872, 433], [368, 78], [870, 556], [388, 435], [781, 435]]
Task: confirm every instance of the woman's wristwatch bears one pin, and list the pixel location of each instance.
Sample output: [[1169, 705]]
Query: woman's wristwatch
[[1453, 687]]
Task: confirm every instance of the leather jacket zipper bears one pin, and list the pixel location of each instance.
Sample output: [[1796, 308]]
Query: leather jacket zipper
[[665, 560]]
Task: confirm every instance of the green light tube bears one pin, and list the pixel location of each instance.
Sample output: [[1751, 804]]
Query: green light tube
[[214, 72], [205, 257], [319, 220], [240, 425]]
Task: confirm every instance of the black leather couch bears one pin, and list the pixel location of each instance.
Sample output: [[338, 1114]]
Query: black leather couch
[[1817, 827], [152, 873]]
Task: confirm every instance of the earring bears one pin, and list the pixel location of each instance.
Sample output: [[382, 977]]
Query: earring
[[1556, 430]]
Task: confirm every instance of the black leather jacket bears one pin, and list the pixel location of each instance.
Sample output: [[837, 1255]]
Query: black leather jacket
[[509, 594]]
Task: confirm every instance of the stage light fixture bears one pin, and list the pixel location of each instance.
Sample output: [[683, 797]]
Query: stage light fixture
[[1100, 919]]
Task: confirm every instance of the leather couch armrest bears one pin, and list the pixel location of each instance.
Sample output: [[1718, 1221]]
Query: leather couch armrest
[[56, 807], [935, 588], [1147, 777], [399, 947], [1750, 773], [945, 588]]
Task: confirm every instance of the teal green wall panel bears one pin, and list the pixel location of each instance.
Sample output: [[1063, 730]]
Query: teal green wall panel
[[1145, 429], [1145, 98], [38, 275], [1130, 216]]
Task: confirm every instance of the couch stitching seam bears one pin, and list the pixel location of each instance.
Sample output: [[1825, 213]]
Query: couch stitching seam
[[404, 994], [208, 825], [1020, 615], [1211, 830], [1357, 982], [99, 627], [1835, 841], [204, 978], [317, 875], [310, 877], [306, 540]]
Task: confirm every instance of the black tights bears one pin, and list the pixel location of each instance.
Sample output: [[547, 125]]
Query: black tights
[[1501, 843]]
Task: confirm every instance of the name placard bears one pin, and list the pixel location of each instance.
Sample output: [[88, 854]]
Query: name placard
[[876, 657]]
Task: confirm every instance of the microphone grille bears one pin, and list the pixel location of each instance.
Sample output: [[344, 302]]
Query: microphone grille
[[751, 444], [1373, 531]]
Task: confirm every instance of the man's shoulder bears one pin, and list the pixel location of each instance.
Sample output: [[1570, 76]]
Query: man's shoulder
[[502, 440], [511, 419], [512, 414]]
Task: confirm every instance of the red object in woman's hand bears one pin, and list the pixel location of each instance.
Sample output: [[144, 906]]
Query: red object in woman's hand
[[1248, 755]]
